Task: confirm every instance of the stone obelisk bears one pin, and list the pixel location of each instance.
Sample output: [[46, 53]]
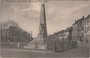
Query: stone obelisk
[[40, 42], [42, 36], [42, 27]]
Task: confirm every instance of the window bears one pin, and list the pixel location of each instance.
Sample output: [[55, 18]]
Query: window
[[87, 28], [88, 21]]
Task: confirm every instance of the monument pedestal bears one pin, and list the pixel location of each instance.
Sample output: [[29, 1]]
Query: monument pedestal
[[37, 43]]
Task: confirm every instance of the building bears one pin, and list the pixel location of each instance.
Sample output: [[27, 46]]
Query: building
[[81, 30], [86, 29]]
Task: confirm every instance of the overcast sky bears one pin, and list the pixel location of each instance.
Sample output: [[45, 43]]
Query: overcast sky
[[59, 14]]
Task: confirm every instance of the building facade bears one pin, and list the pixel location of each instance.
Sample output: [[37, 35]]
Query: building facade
[[86, 29]]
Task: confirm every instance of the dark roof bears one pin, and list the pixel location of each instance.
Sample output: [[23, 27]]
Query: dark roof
[[88, 16], [79, 20]]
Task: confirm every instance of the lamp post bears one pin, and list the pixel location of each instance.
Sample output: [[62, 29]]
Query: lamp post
[[0, 33]]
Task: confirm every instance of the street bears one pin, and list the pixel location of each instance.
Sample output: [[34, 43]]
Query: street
[[24, 53]]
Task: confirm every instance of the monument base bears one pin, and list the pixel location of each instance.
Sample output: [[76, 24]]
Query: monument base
[[36, 44]]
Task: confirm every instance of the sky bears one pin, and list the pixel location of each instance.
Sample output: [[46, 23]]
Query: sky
[[59, 14]]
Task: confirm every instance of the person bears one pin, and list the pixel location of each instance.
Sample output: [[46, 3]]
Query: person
[[18, 44]]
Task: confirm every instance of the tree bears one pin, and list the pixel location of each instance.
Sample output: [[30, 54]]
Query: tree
[[10, 31]]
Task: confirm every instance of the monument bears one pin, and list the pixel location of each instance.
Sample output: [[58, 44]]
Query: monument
[[40, 42], [42, 36]]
